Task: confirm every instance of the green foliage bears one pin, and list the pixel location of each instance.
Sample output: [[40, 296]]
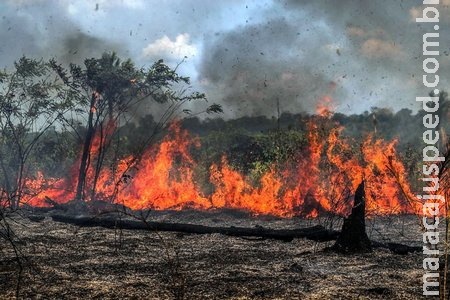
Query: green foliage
[[251, 153], [214, 108], [30, 103], [38, 95], [108, 90]]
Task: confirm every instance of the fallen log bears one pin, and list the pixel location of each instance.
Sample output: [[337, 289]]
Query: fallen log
[[315, 233]]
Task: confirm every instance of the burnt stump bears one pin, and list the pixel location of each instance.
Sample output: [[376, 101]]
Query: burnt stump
[[353, 237]]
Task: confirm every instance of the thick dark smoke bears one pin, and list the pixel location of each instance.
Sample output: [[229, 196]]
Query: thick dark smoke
[[287, 51], [370, 50], [41, 30], [254, 67], [76, 47]]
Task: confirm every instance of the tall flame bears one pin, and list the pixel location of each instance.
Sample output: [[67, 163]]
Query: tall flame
[[321, 179]]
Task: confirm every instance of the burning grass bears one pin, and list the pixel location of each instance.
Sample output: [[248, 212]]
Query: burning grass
[[320, 178], [317, 181]]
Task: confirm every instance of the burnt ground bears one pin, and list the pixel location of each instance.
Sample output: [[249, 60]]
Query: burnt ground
[[68, 262]]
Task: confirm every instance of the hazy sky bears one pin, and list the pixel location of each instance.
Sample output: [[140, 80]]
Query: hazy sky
[[245, 54]]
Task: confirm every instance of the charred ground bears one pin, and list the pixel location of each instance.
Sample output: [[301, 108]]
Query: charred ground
[[69, 262]]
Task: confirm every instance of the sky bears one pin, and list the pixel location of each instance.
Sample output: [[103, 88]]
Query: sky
[[246, 55]]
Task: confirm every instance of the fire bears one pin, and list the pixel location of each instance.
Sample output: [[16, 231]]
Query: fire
[[324, 107], [232, 191], [321, 179], [160, 183], [53, 188]]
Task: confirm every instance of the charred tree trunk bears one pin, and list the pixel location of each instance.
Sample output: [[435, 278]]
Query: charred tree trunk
[[86, 149], [353, 237], [99, 163], [316, 233], [20, 182]]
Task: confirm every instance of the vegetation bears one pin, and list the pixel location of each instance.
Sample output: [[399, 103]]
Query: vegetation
[[48, 112], [81, 120], [31, 102], [45, 135]]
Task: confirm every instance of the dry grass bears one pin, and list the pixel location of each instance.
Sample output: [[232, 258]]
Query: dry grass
[[90, 263]]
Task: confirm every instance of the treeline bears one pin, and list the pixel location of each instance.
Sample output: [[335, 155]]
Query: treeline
[[80, 120], [250, 142]]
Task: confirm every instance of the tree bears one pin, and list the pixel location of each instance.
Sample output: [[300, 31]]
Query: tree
[[31, 101], [108, 89]]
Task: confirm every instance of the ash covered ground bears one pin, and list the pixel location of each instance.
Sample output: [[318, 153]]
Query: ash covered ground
[[69, 262]]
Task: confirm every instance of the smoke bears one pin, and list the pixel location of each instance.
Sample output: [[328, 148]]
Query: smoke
[[43, 30], [367, 49], [248, 55], [254, 67], [77, 46]]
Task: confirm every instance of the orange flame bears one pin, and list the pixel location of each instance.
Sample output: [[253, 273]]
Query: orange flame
[[322, 179]]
